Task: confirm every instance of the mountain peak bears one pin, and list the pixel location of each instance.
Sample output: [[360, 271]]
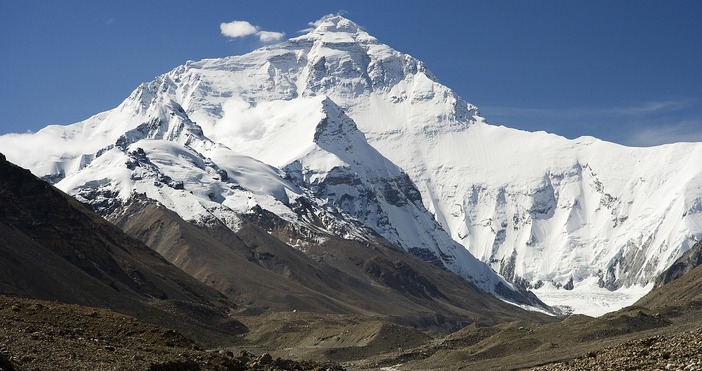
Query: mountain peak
[[336, 28], [335, 23]]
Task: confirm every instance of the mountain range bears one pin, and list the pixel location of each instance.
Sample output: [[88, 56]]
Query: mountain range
[[332, 138]]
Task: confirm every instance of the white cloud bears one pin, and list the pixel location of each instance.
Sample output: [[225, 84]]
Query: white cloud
[[269, 36], [15, 148], [239, 120], [236, 29]]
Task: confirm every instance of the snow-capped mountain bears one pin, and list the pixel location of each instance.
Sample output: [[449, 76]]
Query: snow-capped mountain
[[339, 133]]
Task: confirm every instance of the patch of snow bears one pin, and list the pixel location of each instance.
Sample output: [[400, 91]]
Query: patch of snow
[[590, 299]]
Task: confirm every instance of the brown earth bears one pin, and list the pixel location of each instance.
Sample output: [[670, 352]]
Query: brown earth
[[256, 269], [49, 335], [43, 335], [632, 339]]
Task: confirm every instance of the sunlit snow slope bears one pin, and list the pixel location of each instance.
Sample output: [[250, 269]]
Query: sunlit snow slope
[[336, 116]]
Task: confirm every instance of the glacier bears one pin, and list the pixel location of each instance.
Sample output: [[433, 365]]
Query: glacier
[[370, 137]]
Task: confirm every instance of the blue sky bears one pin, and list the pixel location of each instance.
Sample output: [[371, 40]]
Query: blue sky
[[624, 71]]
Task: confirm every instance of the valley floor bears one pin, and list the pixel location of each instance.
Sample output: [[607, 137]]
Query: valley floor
[[632, 339], [48, 335]]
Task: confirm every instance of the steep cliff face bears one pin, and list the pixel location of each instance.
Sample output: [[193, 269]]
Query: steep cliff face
[[337, 133]]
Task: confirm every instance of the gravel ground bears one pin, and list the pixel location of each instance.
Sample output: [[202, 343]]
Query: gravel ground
[[41, 335], [676, 352]]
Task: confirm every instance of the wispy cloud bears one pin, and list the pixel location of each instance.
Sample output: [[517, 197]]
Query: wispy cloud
[[651, 108], [269, 36], [646, 108], [645, 124], [237, 29], [104, 20], [684, 131]]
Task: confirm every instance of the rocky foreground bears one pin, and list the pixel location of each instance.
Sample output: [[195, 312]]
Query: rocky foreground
[[41, 335], [675, 352]]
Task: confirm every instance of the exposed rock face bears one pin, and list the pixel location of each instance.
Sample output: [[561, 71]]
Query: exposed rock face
[[687, 262]]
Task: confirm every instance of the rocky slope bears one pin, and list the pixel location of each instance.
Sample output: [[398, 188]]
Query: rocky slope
[[672, 352], [690, 260], [682, 292], [55, 248], [254, 268]]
